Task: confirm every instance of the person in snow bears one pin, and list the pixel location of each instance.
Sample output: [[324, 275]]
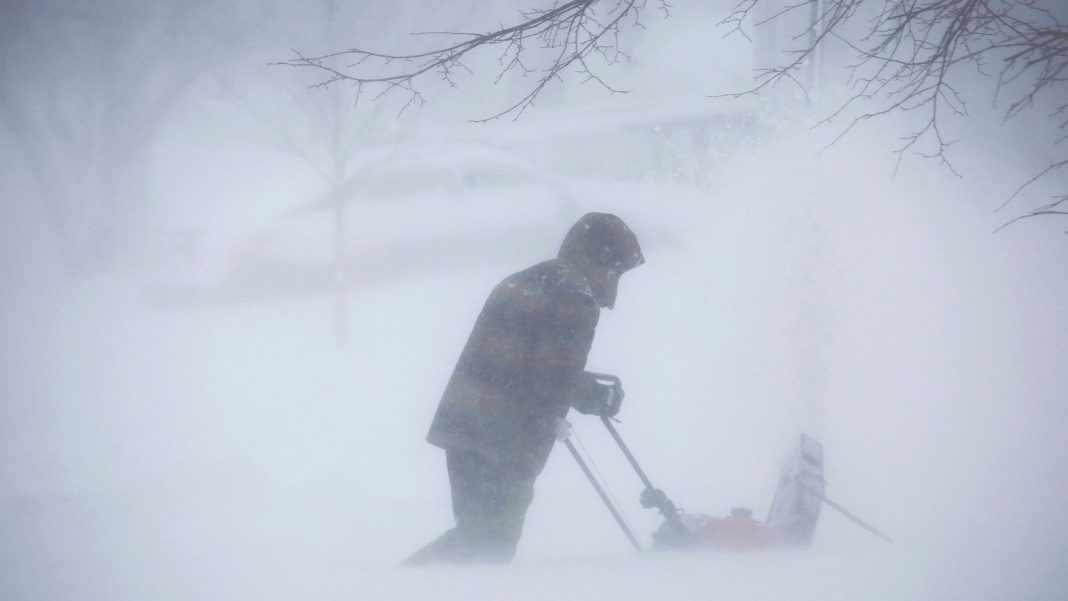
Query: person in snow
[[520, 372]]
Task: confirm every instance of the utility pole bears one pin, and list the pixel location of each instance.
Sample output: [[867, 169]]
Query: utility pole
[[340, 275], [341, 153], [815, 52]]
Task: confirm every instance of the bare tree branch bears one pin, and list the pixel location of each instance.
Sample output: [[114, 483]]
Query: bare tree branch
[[547, 43], [911, 54]]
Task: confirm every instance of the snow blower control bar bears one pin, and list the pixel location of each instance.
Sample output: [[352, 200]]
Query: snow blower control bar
[[563, 434], [651, 497]]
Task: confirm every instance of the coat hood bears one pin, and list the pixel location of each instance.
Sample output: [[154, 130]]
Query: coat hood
[[603, 247], [603, 240]]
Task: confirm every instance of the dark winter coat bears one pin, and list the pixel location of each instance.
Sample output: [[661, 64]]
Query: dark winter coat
[[522, 368]]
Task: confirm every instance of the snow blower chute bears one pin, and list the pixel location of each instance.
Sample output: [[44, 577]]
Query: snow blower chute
[[791, 521]]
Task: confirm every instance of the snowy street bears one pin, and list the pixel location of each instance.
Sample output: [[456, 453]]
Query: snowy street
[[216, 385]]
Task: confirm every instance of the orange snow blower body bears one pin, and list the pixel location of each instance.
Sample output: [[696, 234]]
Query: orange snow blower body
[[737, 532]]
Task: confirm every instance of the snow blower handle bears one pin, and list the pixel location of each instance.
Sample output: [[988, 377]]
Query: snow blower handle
[[651, 497]]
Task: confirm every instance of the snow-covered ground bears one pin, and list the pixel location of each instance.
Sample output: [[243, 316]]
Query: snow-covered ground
[[235, 451]]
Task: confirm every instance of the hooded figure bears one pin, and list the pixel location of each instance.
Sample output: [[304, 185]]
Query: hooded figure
[[520, 371]]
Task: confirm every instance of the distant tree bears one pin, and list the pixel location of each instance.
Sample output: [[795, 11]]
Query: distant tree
[[911, 56], [319, 127], [84, 89]]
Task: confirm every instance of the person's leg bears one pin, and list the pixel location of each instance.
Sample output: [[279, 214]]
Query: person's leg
[[456, 544], [489, 501], [502, 524], [471, 479], [439, 550], [492, 507]]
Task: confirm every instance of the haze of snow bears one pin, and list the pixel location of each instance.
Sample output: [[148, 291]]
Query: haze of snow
[[231, 449]]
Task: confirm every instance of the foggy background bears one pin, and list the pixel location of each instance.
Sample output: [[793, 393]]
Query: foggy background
[[230, 304]]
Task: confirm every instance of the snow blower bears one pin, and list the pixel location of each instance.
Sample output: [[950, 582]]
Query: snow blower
[[791, 521]]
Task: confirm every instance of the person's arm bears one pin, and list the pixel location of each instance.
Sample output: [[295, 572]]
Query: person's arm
[[564, 337]]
